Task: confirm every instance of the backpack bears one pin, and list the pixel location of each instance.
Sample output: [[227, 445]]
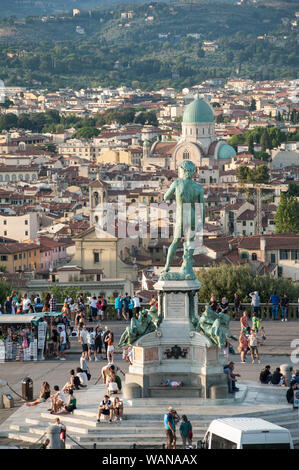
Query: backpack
[[76, 381], [104, 302]]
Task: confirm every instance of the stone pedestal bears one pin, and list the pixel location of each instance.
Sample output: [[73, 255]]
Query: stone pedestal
[[175, 351]]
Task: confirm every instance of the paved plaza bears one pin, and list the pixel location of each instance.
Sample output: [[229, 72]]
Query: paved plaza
[[275, 351]]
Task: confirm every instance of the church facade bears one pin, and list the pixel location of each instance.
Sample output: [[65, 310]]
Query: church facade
[[198, 142]]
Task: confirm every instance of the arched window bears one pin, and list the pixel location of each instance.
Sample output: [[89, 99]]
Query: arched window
[[7, 178], [190, 131], [254, 257], [203, 131], [186, 155]]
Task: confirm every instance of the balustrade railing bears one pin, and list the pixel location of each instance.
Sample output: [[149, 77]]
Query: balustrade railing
[[265, 311]]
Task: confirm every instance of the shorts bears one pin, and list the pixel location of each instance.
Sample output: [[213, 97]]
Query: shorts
[[118, 311], [92, 347], [170, 436], [94, 311], [42, 400], [110, 348], [253, 350], [105, 412], [62, 347], [85, 347]]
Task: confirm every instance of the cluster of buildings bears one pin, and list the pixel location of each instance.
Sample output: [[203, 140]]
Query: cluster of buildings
[[50, 230]]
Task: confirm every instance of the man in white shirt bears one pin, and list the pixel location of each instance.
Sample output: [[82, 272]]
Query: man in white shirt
[[91, 344], [26, 303], [82, 377], [83, 334], [62, 341], [137, 303]]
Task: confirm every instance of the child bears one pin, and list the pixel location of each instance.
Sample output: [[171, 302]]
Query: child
[[263, 334], [128, 355], [255, 323]]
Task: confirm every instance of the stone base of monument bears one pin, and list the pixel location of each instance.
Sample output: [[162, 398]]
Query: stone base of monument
[[175, 352]]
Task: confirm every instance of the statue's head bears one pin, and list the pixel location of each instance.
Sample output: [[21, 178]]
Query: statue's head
[[187, 168]]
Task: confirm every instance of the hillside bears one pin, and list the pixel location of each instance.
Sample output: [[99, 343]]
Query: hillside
[[151, 45]]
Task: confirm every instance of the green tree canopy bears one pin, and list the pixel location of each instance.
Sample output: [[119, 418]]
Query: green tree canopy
[[87, 133], [223, 280], [287, 215]]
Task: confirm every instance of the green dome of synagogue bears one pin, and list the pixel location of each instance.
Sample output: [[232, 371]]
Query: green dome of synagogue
[[198, 111], [226, 152]]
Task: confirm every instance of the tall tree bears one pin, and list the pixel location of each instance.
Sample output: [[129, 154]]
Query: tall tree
[[287, 215], [265, 141], [251, 145]]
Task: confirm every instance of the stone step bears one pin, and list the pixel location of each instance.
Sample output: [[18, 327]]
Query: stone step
[[32, 438], [114, 445], [135, 438], [26, 437], [70, 419]]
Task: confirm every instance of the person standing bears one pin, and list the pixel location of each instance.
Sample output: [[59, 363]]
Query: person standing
[[126, 302], [118, 307], [26, 304], [110, 349], [137, 303], [243, 345], [131, 307], [255, 302], [253, 344], [274, 299], [213, 303], [53, 303], [83, 334], [98, 341], [244, 321], [104, 307], [93, 308], [8, 306], [169, 426], [237, 306], [62, 341], [186, 432], [91, 344], [104, 336], [284, 303], [99, 308]]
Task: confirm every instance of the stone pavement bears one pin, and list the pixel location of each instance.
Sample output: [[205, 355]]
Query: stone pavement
[[142, 425], [275, 352]]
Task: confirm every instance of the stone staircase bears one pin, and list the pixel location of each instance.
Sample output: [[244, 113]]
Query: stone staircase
[[142, 426]]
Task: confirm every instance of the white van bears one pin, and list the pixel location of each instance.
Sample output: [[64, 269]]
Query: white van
[[246, 433]]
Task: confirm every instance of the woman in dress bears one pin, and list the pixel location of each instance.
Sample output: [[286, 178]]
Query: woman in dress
[[243, 345], [110, 350]]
